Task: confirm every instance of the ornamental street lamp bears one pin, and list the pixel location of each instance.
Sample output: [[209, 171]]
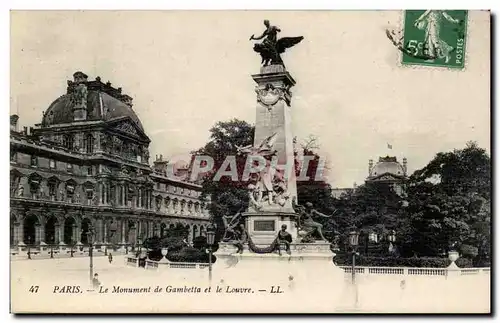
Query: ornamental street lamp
[[90, 240], [210, 242], [353, 241]]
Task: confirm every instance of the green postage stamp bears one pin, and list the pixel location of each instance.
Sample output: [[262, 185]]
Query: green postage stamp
[[435, 38]]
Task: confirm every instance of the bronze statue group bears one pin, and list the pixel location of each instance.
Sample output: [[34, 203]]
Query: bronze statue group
[[236, 233]]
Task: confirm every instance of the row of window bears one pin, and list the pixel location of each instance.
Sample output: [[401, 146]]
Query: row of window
[[52, 164], [175, 189]]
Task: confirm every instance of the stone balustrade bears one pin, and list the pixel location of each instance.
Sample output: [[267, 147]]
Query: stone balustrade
[[405, 271]]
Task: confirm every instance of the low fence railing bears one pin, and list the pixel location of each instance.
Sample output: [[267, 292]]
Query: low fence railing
[[63, 251], [413, 271], [151, 264]]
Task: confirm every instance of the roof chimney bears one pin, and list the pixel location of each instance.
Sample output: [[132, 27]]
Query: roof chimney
[[405, 166], [370, 167]]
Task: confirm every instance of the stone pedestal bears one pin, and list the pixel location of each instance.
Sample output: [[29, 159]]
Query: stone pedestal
[[263, 227]]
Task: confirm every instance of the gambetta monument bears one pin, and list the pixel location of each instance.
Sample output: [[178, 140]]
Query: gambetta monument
[[275, 235]]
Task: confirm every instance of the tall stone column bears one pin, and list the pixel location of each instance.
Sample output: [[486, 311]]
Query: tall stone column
[[99, 235], [37, 234], [78, 232], [57, 233], [74, 234], [60, 231], [17, 233], [101, 193], [20, 229], [123, 222], [105, 228], [138, 229]]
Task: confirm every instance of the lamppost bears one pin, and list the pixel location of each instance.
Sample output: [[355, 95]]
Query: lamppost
[[353, 241], [210, 242], [392, 239], [90, 237], [29, 247]]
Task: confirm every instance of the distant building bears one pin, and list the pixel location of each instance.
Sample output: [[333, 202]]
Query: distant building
[[87, 165], [388, 171], [338, 192]]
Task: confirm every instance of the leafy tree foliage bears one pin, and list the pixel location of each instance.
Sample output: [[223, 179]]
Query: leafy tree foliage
[[449, 203], [227, 196]]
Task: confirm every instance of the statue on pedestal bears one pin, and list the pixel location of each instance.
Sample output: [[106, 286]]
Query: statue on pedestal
[[284, 237], [235, 231], [271, 47], [231, 222]]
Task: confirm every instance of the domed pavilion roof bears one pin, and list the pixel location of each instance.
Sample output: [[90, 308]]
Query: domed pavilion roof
[[104, 102]]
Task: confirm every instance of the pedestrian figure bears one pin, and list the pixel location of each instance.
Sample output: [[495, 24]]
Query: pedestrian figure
[[110, 258], [95, 281]]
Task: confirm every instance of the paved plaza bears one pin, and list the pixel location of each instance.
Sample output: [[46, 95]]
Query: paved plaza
[[394, 293]]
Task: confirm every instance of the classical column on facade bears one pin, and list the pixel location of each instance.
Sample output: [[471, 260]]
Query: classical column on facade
[[20, 234], [139, 197], [57, 233], [123, 222], [17, 233], [151, 229], [105, 229], [37, 234], [98, 231], [60, 231], [101, 193], [122, 196], [78, 232]]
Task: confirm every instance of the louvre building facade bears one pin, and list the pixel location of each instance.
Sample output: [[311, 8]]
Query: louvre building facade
[[87, 165]]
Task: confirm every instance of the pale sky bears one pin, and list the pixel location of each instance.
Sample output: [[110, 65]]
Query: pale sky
[[188, 70]]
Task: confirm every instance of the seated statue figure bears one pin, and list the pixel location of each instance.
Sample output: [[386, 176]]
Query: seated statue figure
[[284, 237], [306, 221]]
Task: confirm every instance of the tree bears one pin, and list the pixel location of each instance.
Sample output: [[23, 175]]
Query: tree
[[227, 196], [373, 207], [449, 203]]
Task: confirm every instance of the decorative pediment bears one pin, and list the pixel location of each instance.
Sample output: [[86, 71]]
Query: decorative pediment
[[127, 126], [386, 177]]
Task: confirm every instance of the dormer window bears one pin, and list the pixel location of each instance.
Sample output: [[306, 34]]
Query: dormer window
[[69, 168], [52, 164], [34, 161]]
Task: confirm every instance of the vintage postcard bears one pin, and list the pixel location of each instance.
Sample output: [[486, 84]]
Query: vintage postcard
[[250, 162]]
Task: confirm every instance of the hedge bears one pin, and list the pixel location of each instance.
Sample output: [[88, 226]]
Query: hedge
[[427, 262]]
